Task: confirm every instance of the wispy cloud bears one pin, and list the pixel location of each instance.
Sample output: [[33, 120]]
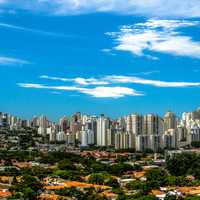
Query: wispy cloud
[[147, 72], [111, 92], [163, 36], [77, 80], [35, 31], [115, 79], [98, 92], [155, 83], [170, 8], [115, 88], [12, 61]]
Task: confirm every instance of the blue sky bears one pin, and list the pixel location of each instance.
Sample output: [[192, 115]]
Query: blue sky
[[62, 56]]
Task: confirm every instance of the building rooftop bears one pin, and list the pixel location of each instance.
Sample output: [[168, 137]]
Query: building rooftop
[[57, 186]]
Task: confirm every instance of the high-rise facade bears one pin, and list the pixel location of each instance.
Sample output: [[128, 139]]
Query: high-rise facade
[[102, 128], [170, 121]]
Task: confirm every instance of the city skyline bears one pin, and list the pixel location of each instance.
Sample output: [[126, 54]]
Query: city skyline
[[57, 57], [70, 116], [134, 131]]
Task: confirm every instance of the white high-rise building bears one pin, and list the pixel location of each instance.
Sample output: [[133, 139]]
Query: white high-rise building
[[195, 133], [141, 142], [153, 125], [60, 136], [70, 139], [43, 124], [170, 121], [124, 140], [102, 126], [150, 134], [183, 139], [170, 139], [64, 124], [110, 137], [84, 138], [135, 124], [87, 137], [52, 136]]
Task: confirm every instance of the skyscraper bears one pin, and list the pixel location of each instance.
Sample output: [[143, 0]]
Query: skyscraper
[[151, 132], [135, 124], [170, 121], [64, 124], [102, 126]]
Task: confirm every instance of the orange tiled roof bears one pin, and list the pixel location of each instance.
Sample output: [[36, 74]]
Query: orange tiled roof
[[5, 178], [49, 197], [139, 174], [191, 190], [156, 192], [110, 194], [5, 194], [73, 184], [22, 164], [186, 190]]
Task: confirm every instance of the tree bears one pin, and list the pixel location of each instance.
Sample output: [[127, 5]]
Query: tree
[[103, 178], [98, 178], [120, 168], [97, 167], [29, 185], [29, 194], [66, 165], [195, 144], [147, 197], [112, 182], [67, 174], [192, 197], [135, 185], [184, 164], [15, 196], [176, 181], [156, 174]]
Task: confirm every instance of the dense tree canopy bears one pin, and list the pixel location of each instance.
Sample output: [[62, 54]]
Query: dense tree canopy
[[184, 164]]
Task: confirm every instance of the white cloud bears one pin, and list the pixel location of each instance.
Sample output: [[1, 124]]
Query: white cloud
[[114, 79], [111, 91], [156, 83], [171, 8], [157, 36], [78, 80], [148, 72], [114, 92], [98, 92], [36, 31], [56, 78], [41, 86], [12, 61]]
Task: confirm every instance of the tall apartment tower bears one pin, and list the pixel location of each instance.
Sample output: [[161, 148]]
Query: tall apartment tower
[[124, 140], [43, 124], [90, 123], [153, 125], [102, 127], [170, 121], [64, 124], [151, 133], [170, 139], [137, 124], [134, 124]]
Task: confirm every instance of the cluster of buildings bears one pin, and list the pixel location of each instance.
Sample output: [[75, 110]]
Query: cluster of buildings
[[135, 131]]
